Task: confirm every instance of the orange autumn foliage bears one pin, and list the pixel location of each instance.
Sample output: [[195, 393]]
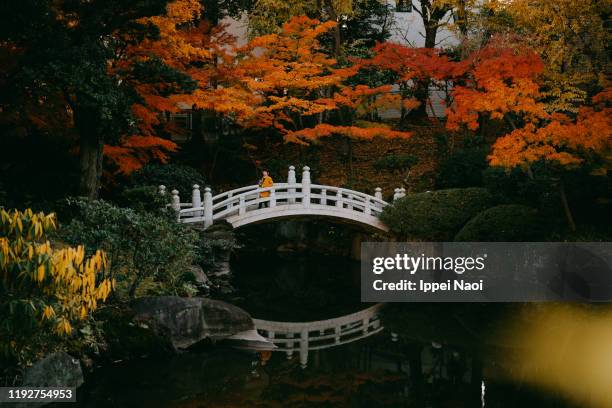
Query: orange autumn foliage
[[561, 140], [135, 151], [503, 81], [306, 136], [300, 87], [499, 80], [285, 81], [192, 50], [411, 63]]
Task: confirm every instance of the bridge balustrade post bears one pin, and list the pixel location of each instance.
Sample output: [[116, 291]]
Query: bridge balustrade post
[[208, 207], [162, 190], [242, 205], [289, 346], [337, 333], [306, 187], [196, 199], [304, 348], [378, 195], [402, 192], [396, 194], [291, 180], [365, 323], [176, 201], [339, 198], [323, 196], [273, 197], [229, 203], [367, 206]]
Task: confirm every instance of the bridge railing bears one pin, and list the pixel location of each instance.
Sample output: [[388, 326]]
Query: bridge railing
[[304, 336], [209, 208]]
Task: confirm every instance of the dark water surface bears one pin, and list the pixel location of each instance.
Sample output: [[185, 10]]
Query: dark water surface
[[428, 369]]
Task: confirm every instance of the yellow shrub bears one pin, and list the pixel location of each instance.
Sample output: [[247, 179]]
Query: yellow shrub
[[56, 287]]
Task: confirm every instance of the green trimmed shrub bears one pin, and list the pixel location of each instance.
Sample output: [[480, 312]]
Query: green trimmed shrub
[[504, 223], [436, 215]]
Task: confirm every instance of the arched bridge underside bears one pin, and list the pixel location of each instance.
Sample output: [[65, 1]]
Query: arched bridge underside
[[296, 211], [253, 204]]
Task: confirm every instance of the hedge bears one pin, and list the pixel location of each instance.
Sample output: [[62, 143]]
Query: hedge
[[436, 215]]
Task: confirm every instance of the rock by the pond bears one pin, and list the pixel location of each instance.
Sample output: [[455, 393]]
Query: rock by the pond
[[187, 321], [222, 268], [55, 370], [199, 275]]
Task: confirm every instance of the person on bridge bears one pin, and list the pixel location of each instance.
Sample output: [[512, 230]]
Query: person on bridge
[[266, 181]]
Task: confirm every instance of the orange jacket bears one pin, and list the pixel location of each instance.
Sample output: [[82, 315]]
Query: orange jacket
[[265, 182]]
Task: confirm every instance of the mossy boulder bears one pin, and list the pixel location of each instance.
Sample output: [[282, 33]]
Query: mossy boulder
[[435, 215], [503, 223], [55, 370], [127, 338], [187, 321]]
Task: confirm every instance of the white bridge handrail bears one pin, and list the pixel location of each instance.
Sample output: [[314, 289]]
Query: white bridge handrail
[[338, 201], [317, 335]]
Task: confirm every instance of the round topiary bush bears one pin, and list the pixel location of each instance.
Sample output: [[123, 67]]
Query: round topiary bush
[[504, 223], [173, 176], [436, 215]]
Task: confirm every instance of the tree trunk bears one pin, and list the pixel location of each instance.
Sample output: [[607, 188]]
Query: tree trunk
[[431, 16], [349, 142], [431, 32], [336, 31], [91, 165], [134, 286], [91, 145], [337, 41], [566, 207], [421, 94]]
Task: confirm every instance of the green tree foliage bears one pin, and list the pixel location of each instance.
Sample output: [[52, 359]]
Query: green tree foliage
[[61, 78], [395, 163], [361, 23], [503, 223], [369, 23], [173, 176], [143, 198], [571, 36], [463, 168], [436, 215], [142, 246]]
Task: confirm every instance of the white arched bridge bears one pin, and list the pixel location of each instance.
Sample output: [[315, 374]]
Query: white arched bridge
[[243, 206], [302, 337]]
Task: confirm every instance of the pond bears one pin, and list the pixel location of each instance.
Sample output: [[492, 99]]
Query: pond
[[435, 366]]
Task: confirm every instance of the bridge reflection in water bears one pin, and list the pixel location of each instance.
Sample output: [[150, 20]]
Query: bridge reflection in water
[[302, 337], [241, 206]]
